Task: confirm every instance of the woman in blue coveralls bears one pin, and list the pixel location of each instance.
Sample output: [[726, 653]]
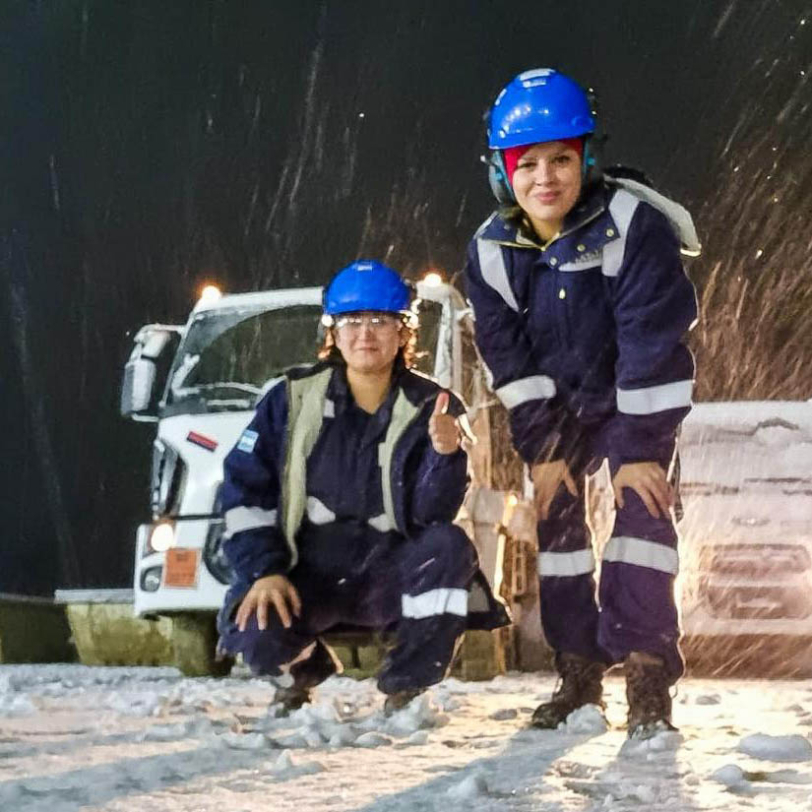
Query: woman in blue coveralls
[[339, 500], [581, 306]]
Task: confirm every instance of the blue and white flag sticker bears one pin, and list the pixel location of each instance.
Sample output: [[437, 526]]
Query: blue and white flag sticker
[[247, 441]]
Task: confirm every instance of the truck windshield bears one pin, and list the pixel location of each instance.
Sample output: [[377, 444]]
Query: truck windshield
[[229, 357]]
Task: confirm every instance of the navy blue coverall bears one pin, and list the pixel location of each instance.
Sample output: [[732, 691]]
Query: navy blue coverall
[[352, 560], [584, 340]]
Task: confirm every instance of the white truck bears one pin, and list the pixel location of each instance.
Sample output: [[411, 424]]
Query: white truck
[[746, 537]]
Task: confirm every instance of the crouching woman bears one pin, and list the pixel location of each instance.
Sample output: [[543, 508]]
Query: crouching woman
[[339, 500]]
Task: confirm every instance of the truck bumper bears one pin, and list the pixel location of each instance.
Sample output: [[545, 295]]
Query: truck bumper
[[201, 592]]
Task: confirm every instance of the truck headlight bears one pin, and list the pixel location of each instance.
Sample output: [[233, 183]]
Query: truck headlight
[[162, 537]]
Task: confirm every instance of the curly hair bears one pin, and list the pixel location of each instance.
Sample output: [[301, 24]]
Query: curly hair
[[407, 354]]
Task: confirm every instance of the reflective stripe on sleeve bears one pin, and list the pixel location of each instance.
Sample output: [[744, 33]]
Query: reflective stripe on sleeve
[[642, 553], [651, 399], [381, 523], [318, 512], [564, 565], [622, 208], [243, 518], [535, 387], [492, 267], [435, 602]]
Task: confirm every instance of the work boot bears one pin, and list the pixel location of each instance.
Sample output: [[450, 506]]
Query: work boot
[[399, 700], [580, 684], [314, 665], [648, 694], [287, 700]]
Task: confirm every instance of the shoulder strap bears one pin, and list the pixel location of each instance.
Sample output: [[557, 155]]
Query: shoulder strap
[[679, 217]]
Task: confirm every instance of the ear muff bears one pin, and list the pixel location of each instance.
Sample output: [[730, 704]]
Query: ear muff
[[593, 144], [497, 178], [593, 159]]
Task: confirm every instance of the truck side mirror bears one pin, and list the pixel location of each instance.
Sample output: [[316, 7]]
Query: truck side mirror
[[151, 352]]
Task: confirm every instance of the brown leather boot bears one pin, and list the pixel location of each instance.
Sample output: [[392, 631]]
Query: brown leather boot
[[398, 701], [648, 694], [287, 700], [581, 684]]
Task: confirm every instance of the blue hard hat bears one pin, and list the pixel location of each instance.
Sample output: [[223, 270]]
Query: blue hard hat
[[366, 285], [539, 105]]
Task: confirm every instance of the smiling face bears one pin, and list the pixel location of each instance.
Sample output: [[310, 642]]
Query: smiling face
[[546, 183], [369, 341]]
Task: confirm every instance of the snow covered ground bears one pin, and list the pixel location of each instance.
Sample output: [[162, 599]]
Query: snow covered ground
[[73, 737]]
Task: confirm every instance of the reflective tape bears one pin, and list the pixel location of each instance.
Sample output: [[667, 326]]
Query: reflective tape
[[241, 518], [382, 523], [622, 208], [318, 512], [436, 602], [651, 399], [642, 553], [679, 217], [535, 387], [566, 565], [494, 272]]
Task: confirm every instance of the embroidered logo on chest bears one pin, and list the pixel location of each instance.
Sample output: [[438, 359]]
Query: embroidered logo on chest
[[593, 259]]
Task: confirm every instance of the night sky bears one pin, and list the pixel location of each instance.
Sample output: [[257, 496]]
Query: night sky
[[149, 147]]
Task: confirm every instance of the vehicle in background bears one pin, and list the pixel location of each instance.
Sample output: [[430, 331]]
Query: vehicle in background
[[746, 537]]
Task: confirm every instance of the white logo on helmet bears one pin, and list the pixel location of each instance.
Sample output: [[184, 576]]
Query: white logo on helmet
[[535, 78]]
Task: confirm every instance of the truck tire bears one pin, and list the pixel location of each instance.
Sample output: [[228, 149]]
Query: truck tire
[[194, 645]]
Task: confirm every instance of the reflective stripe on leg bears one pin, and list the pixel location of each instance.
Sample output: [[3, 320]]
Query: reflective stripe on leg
[[435, 602], [642, 553], [579, 562]]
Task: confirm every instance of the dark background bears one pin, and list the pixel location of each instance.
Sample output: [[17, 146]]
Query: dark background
[[149, 147]]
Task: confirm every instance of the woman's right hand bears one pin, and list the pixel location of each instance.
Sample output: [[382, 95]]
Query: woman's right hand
[[272, 590], [547, 478]]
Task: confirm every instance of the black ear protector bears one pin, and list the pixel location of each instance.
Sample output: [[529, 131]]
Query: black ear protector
[[593, 144], [497, 178], [593, 158]]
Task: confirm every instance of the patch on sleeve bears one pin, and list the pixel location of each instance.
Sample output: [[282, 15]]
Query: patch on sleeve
[[247, 441]]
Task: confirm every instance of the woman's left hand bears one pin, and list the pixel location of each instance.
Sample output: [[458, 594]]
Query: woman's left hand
[[444, 430], [648, 481]]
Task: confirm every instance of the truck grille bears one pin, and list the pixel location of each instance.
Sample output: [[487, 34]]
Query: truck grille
[[755, 560], [168, 472], [758, 603], [729, 581]]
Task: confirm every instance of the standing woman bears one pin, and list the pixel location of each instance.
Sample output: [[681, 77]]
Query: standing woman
[[581, 306], [339, 501]]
